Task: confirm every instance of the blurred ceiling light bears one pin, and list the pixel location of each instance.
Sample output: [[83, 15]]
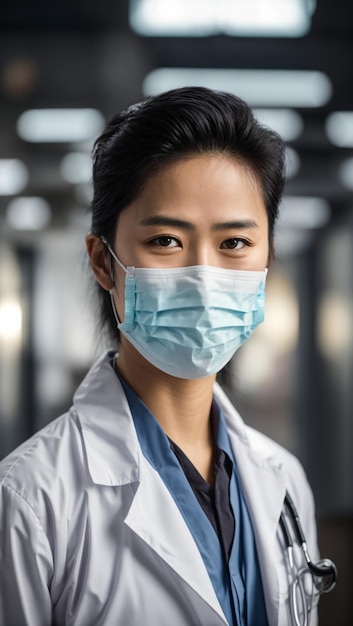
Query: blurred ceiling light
[[335, 316], [303, 213], [285, 18], [282, 313], [59, 125], [13, 176], [259, 88], [76, 168], [276, 18], [84, 193], [292, 162], [339, 128], [345, 173], [29, 213], [274, 339], [292, 242], [10, 319], [287, 123]]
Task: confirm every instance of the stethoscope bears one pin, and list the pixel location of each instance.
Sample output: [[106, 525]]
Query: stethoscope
[[323, 574]]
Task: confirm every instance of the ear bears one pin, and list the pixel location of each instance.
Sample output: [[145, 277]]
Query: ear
[[99, 260]]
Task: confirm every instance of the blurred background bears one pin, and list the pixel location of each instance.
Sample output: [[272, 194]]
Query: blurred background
[[65, 68]]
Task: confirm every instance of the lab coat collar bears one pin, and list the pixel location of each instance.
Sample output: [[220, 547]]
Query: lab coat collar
[[114, 458], [110, 439], [107, 426]]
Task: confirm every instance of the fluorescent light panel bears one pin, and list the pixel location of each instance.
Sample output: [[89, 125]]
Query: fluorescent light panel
[[260, 88], [293, 162], [287, 123], [303, 213], [292, 242], [13, 176], [345, 173], [76, 168], [339, 128], [30, 213], [289, 18], [59, 125], [299, 217]]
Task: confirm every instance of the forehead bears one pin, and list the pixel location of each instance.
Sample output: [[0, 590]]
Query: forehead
[[211, 165], [207, 185]]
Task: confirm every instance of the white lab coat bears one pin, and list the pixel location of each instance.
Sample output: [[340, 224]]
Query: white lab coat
[[90, 535]]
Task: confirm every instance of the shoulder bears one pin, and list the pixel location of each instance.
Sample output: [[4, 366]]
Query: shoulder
[[40, 486], [264, 450], [58, 450], [273, 452], [44, 457], [92, 444], [268, 448]]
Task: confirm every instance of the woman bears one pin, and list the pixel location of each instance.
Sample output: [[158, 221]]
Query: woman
[[150, 502]]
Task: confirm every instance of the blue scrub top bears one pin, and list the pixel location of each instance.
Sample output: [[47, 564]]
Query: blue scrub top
[[237, 582]]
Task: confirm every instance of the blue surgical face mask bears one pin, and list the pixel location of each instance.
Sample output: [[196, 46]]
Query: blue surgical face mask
[[189, 321]]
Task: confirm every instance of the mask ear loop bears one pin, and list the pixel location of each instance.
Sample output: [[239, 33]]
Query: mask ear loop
[[127, 270], [129, 313], [112, 258], [115, 312]]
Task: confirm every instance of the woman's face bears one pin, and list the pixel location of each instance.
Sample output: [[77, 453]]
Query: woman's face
[[206, 210]]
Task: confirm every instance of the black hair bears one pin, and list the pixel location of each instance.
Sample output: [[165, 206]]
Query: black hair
[[148, 136]]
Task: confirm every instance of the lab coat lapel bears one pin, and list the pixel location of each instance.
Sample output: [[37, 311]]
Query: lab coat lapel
[[166, 532], [263, 486], [264, 492]]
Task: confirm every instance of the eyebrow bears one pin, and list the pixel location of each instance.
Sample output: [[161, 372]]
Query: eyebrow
[[163, 220], [242, 224]]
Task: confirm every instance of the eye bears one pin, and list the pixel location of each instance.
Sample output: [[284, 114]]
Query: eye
[[235, 243], [165, 241]]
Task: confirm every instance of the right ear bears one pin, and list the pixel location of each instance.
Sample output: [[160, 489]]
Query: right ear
[[97, 252]]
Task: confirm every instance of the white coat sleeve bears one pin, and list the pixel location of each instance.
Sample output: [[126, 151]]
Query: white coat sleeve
[[26, 564]]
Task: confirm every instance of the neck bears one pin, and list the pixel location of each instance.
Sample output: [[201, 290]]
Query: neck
[[182, 407]]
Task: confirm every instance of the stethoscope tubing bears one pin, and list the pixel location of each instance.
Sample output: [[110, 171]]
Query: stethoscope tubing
[[325, 567], [323, 574]]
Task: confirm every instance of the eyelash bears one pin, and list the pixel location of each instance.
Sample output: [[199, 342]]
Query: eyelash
[[237, 240], [157, 241]]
